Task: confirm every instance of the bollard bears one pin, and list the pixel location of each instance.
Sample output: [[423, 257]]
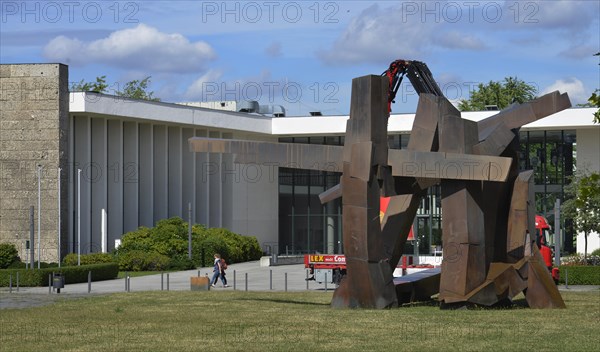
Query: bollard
[[270, 279], [89, 281], [49, 283], [10, 283], [167, 281], [285, 282], [566, 278], [306, 279], [126, 276], [246, 279], [198, 273], [17, 281], [161, 281], [325, 282], [234, 280]]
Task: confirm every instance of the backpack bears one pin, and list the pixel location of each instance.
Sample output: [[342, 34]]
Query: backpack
[[223, 264]]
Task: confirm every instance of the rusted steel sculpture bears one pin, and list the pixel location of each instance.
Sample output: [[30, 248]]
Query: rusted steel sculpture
[[487, 204]]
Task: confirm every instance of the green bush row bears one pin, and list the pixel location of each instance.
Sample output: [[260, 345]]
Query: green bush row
[[580, 275], [72, 274], [146, 248], [87, 259]]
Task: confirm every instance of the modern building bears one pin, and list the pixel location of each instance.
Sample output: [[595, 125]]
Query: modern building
[[130, 160]]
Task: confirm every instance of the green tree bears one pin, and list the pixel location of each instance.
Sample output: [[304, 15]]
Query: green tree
[[99, 86], [502, 94], [583, 204], [136, 89]]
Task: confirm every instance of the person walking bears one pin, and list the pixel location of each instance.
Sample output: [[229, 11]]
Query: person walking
[[219, 271]]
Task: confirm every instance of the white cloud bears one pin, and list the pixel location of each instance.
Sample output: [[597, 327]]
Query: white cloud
[[197, 89], [377, 35], [572, 86], [141, 47], [381, 35]]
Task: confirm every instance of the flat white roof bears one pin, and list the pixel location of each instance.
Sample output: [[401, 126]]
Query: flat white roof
[[101, 104]]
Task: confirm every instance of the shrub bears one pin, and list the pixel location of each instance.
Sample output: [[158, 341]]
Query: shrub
[[596, 252], [170, 238], [580, 275], [204, 250], [72, 274], [87, 259], [137, 260], [180, 262], [8, 255]]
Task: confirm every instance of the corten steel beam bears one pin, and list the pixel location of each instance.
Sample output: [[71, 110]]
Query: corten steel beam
[[463, 235], [431, 166], [521, 216], [290, 155], [520, 115], [541, 289], [369, 280], [402, 209]]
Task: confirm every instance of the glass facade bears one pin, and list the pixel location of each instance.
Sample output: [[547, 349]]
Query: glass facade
[[307, 226]]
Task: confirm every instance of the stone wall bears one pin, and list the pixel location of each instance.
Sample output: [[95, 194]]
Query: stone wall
[[34, 111]]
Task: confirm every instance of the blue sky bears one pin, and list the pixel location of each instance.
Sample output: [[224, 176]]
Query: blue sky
[[304, 54]]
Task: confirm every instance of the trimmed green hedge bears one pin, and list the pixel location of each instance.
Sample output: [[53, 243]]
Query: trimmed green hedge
[[72, 274], [580, 275]]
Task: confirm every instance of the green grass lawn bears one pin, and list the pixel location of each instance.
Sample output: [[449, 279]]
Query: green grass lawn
[[263, 321]]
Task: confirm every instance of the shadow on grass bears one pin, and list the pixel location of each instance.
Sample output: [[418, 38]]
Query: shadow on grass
[[287, 301]]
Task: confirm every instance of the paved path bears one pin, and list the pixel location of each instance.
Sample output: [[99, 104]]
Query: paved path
[[258, 280]]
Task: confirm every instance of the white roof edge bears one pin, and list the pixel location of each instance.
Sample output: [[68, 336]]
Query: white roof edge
[[573, 118], [102, 104], [85, 102]]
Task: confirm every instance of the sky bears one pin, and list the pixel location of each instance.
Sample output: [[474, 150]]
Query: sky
[[303, 54]]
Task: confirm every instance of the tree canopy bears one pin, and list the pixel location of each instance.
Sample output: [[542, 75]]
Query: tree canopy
[[135, 89], [502, 94], [583, 205]]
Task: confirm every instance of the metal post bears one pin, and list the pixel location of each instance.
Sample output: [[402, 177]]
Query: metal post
[[59, 169], [31, 237], [246, 280], [161, 281], [285, 282], [270, 279], [128, 283], [566, 278], [306, 280], [167, 281], [89, 281], [234, 280], [126, 278], [198, 273], [325, 282], [49, 283], [78, 216], [10, 283], [39, 213], [557, 235], [190, 231], [17, 281]]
